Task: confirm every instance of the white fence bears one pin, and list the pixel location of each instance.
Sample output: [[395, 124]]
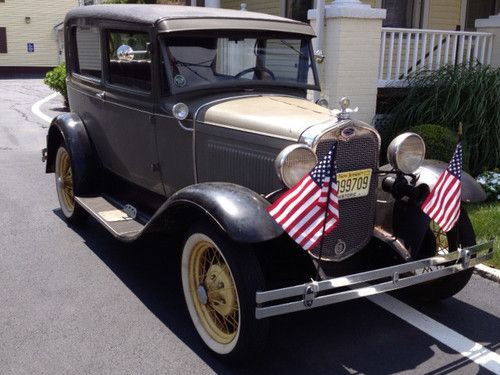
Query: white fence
[[405, 51]]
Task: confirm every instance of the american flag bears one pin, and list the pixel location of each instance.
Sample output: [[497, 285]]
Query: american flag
[[302, 211], [443, 203]]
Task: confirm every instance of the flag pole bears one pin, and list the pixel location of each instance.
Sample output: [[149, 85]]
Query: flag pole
[[322, 241], [457, 235]]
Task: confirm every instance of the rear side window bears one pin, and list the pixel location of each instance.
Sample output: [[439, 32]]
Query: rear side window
[[88, 48], [135, 71]]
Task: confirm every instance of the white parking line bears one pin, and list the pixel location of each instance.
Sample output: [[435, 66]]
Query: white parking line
[[468, 348], [35, 108]]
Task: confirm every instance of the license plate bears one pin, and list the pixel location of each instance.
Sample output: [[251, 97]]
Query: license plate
[[353, 184]]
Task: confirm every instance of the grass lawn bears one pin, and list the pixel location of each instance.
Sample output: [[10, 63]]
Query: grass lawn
[[485, 219]]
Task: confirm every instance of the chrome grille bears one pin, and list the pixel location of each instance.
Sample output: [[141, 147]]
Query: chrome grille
[[357, 215]]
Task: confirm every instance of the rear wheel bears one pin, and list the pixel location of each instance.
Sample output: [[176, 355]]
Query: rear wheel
[[72, 212], [438, 242], [219, 281]]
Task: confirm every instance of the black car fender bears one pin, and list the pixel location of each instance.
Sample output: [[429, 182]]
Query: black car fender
[[401, 224], [238, 211], [69, 128], [429, 172]]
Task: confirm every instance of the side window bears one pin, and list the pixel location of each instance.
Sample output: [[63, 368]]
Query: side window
[[135, 71], [88, 50]]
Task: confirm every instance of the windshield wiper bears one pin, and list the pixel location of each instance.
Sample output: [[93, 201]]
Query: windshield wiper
[[200, 64], [293, 48]]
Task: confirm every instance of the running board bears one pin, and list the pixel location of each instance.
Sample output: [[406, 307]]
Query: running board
[[122, 220]]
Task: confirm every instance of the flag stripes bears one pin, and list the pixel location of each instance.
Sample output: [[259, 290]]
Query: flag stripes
[[302, 211], [443, 203]]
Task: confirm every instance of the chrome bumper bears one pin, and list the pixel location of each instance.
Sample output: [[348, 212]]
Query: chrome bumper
[[325, 292]]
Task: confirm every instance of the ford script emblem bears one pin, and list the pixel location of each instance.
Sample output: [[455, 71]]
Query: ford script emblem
[[347, 132], [340, 247]]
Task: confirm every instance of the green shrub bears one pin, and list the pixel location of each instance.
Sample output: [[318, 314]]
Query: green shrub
[[451, 95], [440, 143], [56, 80]]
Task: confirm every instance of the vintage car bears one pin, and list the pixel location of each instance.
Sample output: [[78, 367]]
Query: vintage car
[[191, 121]]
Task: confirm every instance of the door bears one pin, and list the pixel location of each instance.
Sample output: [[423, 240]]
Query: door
[[131, 151]]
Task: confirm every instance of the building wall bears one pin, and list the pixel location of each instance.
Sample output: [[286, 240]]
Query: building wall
[[444, 14], [373, 3], [40, 31]]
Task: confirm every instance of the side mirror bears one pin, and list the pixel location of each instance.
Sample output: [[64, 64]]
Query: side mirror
[[319, 57], [126, 53]]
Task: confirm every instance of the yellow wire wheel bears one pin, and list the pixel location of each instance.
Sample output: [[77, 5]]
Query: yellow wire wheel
[[441, 238], [64, 182], [211, 293]]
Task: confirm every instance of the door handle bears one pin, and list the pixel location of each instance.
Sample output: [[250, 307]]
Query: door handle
[[101, 95]]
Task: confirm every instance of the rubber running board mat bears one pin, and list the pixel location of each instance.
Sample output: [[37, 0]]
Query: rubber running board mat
[[116, 217]]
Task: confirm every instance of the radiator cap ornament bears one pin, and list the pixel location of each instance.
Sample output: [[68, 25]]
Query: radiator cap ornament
[[345, 111]]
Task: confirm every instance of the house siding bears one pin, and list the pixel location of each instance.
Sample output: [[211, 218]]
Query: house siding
[[263, 6], [40, 31], [444, 14], [373, 3]]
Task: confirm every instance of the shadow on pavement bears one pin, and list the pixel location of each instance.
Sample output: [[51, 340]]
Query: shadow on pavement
[[349, 338]]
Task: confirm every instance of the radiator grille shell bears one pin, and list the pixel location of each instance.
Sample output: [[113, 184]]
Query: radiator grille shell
[[357, 215]]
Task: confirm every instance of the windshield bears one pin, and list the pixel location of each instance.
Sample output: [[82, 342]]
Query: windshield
[[228, 60]]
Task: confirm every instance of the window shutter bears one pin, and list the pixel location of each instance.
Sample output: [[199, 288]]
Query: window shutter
[[3, 40]]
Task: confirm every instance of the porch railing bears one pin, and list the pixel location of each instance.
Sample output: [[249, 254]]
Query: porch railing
[[405, 51]]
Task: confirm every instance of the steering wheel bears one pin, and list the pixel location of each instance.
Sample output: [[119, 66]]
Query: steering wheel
[[257, 71]]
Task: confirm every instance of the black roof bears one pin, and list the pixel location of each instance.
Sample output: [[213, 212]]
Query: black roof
[[150, 14]]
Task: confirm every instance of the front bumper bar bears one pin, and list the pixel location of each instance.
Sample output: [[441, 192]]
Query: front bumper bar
[[326, 292]]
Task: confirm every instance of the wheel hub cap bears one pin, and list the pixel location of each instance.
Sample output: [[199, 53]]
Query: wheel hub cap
[[202, 294], [220, 297]]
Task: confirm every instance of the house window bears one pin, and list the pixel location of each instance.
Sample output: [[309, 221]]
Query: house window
[[3, 40], [400, 13], [480, 9], [297, 9], [88, 49]]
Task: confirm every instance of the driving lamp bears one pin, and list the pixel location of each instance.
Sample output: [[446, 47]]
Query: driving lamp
[[293, 162], [180, 111], [406, 152]]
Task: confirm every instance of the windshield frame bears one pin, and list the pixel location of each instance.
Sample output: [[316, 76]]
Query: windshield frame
[[236, 84]]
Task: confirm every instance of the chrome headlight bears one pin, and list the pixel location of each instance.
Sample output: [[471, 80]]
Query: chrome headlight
[[293, 162], [406, 152]]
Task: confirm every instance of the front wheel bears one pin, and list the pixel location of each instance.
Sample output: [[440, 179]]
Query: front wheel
[[219, 280], [438, 242]]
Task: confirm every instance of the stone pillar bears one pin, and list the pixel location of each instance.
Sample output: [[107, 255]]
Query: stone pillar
[[352, 38], [492, 25]]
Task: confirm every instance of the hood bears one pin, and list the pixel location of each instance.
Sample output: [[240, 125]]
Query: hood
[[277, 116]]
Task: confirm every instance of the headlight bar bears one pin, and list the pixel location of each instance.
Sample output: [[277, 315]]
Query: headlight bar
[[322, 293]]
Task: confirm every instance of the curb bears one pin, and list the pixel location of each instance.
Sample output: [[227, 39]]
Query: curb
[[488, 272], [35, 108]]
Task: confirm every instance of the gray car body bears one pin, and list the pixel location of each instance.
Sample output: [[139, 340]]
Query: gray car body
[[135, 138]]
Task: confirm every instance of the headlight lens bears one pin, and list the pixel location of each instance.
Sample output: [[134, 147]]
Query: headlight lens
[[293, 162], [406, 152]]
